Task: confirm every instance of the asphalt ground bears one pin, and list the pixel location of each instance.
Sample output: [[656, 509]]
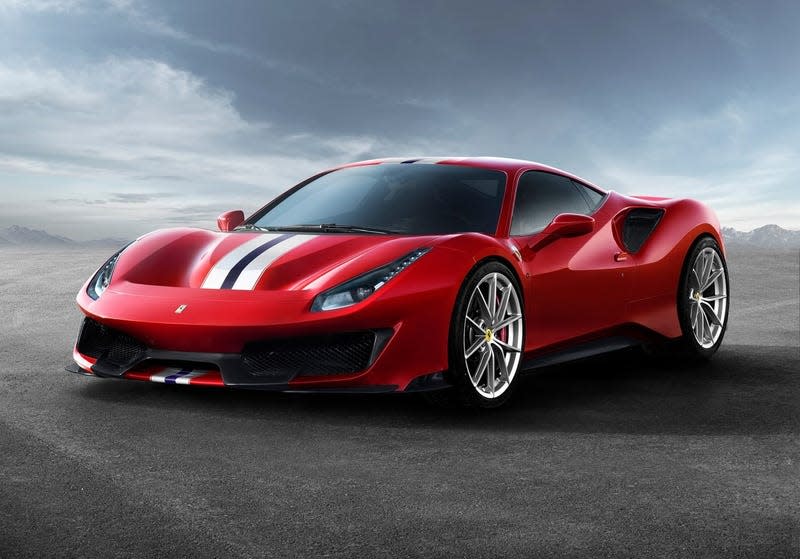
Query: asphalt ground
[[620, 455]]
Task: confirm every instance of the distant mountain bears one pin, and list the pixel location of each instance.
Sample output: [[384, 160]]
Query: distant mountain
[[18, 235], [769, 236], [24, 236]]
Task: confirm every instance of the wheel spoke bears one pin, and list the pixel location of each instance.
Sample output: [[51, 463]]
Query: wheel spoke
[[479, 370], [706, 325], [490, 373], [696, 277], [697, 270], [712, 278], [475, 325], [701, 334], [693, 315], [701, 270], [708, 262], [501, 360], [492, 302], [476, 345], [502, 308], [505, 346], [715, 298], [507, 321], [713, 314], [483, 307]]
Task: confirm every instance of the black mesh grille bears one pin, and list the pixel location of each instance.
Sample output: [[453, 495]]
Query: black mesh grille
[[314, 356], [114, 347]]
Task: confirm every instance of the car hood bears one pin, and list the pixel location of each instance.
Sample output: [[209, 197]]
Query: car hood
[[256, 261]]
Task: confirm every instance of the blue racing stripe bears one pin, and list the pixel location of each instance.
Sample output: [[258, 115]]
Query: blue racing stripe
[[233, 275], [172, 378]]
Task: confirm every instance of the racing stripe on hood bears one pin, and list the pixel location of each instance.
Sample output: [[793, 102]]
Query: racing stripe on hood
[[252, 271], [220, 270], [242, 267]]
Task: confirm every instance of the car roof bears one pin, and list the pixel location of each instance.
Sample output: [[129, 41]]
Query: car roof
[[508, 165]]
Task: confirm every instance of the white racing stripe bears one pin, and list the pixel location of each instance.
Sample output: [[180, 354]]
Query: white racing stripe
[[221, 269], [248, 278], [162, 376], [171, 375], [186, 378]]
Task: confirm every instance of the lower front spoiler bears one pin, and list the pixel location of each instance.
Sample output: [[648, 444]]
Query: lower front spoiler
[[172, 375]]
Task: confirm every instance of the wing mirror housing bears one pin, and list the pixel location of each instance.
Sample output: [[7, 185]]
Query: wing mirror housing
[[230, 220], [569, 225]]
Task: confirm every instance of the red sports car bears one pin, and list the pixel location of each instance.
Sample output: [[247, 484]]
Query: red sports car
[[451, 275]]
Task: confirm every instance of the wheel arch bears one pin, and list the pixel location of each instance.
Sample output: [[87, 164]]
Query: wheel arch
[[504, 261]]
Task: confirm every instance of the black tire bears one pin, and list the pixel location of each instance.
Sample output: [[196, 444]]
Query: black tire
[[688, 345], [464, 393]]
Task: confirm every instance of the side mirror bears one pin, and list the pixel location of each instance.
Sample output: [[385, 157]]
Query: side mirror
[[230, 220], [569, 225]]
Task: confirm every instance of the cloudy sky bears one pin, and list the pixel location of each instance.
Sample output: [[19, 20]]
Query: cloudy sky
[[121, 116]]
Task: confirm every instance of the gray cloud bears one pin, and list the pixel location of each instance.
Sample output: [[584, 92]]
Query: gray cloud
[[76, 201], [139, 197], [146, 105]]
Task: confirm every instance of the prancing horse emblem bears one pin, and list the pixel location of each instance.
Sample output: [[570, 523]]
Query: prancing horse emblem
[[180, 309]]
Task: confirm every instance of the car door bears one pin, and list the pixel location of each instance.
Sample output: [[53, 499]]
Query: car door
[[576, 286]]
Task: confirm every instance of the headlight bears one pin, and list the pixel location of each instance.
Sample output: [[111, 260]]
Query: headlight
[[359, 288], [102, 277]]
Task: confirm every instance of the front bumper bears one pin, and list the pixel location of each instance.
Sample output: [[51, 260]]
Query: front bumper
[[212, 328], [409, 349], [108, 352]]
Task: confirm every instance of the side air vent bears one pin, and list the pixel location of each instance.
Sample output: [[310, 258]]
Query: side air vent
[[638, 226]]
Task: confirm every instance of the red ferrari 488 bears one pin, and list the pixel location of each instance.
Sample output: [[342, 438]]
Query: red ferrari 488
[[451, 275]]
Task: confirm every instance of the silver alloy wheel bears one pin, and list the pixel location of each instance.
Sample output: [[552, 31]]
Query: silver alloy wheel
[[708, 297], [493, 332]]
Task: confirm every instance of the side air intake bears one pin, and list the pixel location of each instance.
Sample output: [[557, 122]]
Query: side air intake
[[638, 226]]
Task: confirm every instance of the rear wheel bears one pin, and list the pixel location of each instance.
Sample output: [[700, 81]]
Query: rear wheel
[[703, 299], [487, 336]]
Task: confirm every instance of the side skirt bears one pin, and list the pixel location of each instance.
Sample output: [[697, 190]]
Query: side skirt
[[580, 351]]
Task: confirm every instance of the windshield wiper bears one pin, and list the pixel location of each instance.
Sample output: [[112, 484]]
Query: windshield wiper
[[328, 228], [251, 227]]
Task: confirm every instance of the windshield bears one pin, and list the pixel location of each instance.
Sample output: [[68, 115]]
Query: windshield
[[417, 199]]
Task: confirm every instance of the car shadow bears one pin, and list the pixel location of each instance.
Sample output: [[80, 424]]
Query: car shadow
[[743, 390]]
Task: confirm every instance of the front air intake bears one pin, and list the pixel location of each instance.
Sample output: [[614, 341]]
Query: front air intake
[[112, 349], [335, 354]]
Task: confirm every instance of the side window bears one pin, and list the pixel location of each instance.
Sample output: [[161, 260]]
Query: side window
[[542, 196], [593, 198]]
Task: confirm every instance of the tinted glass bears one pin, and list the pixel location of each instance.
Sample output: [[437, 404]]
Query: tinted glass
[[418, 199], [593, 198], [542, 196]]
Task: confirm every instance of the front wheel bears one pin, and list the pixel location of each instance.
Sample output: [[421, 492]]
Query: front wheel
[[487, 337], [703, 299]]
